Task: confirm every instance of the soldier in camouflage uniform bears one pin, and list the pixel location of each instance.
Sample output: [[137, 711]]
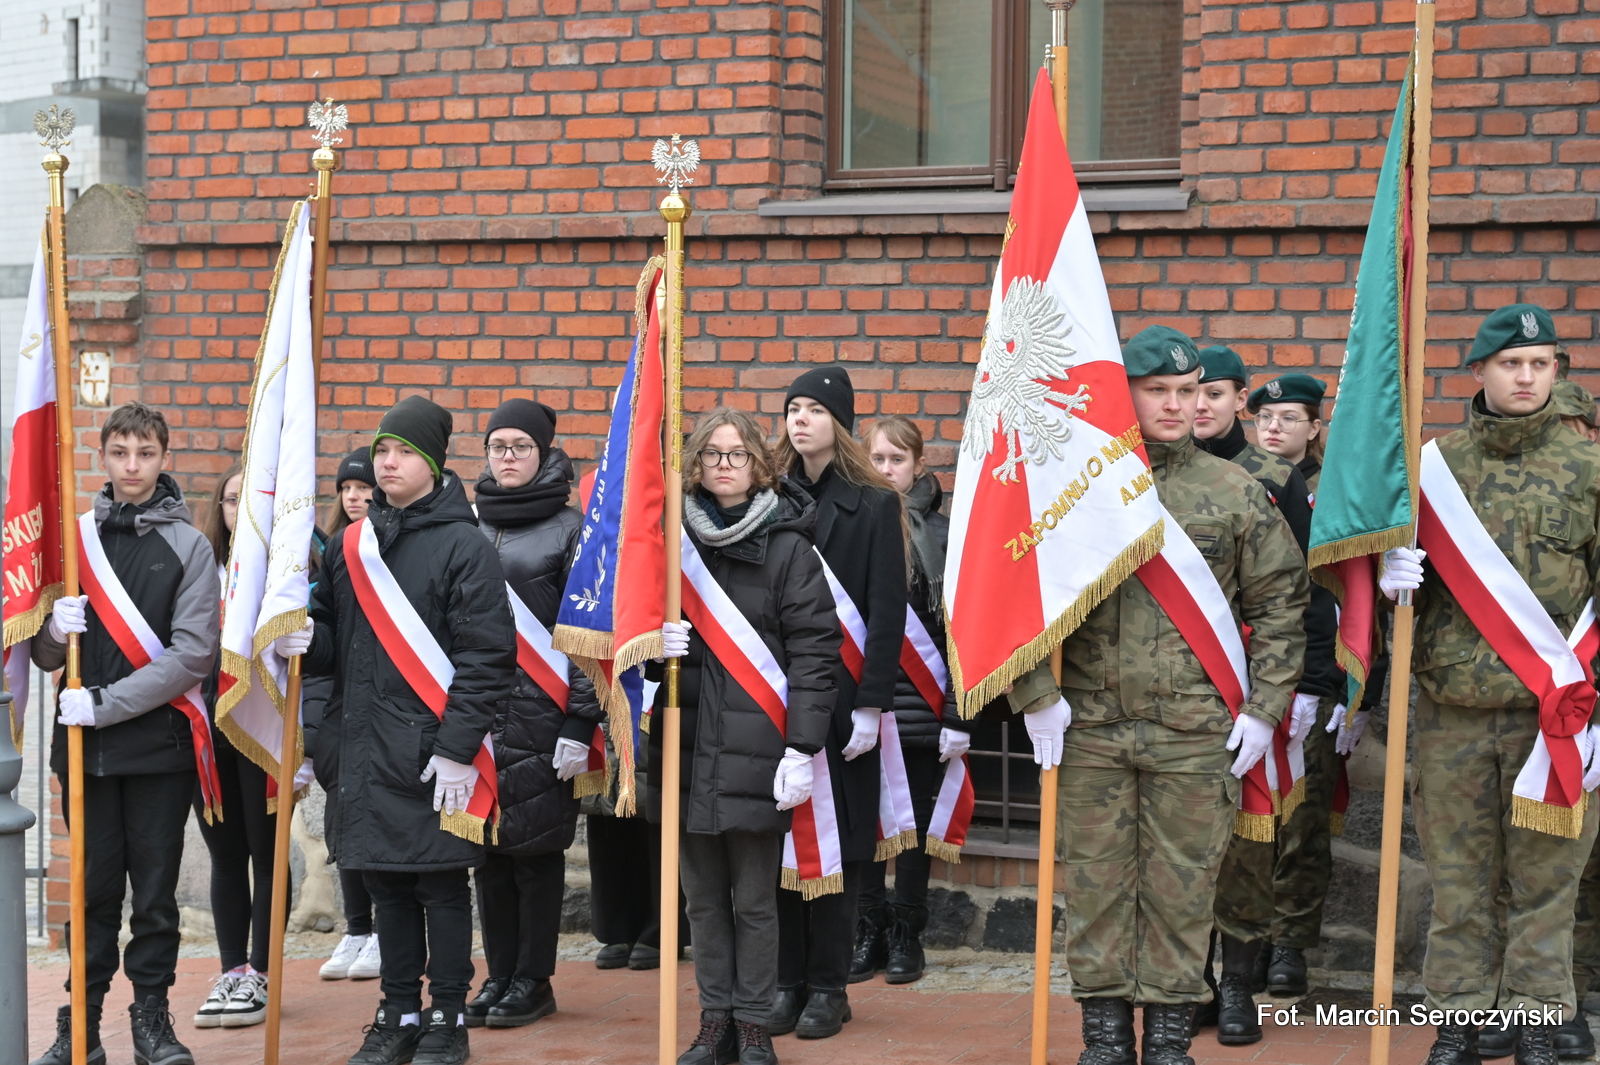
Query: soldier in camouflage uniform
[[1148, 784], [1533, 484], [1575, 404]]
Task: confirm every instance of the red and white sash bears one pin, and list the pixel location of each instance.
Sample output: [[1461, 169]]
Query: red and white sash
[[952, 811], [1182, 583], [421, 661], [550, 670], [137, 642], [813, 863], [897, 821], [1548, 794]]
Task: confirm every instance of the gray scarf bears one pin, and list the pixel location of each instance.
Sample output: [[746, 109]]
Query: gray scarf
[[700, 514]]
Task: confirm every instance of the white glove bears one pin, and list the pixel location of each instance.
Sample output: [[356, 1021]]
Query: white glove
[[1047, 729], [69, 615], [1251, 737], [75, 706], [304, 775], [294, 643], [1591, 777], [675, 638], [864, 734], [953, 743], [571, 759], [1402, 570], [453, 789], [792, 784], [1350, 732], [1302, 717], [1337, 719]]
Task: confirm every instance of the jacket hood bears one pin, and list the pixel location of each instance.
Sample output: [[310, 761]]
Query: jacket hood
[[445, 504], [1500, 435], [164, 507]]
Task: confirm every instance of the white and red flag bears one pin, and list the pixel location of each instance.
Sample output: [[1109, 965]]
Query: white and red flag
[[1053, 506]]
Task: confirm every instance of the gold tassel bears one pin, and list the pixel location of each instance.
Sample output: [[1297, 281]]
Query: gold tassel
[[1372, 543], [1257, 827], [832, 884], [25, 625], [1552, 820], [938, 848], [592, 782], [1293, 799], [582, 643], [888, 848], [468, 826], [1336, 823]]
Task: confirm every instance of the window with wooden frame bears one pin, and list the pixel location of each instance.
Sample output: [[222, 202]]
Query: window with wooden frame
[[927, 93]]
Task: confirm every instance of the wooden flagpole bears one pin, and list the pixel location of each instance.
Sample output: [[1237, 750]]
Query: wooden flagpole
[[56, 128], [328, 122], [1044, 915], [1394, 781]]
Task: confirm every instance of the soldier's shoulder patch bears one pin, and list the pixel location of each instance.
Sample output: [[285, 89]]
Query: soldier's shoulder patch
[[1209, 536]]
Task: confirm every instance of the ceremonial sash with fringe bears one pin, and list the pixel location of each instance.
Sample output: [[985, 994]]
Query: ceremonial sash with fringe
[[813, 863], [422, 662], [549, 669], [1548, 794], [897, 820], [952, 811], [137, 642], [1183, 585]]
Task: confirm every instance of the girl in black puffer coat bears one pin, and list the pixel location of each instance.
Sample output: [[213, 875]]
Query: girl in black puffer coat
[[538, 745]]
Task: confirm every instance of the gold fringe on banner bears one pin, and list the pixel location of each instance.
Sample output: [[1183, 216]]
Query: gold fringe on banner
[[1552, 820], [1336, 823], [589, 783], [1292, 800], [938, 848], [888, 848], [832, 884], [25, 625], [1257, 827], [470, 827]]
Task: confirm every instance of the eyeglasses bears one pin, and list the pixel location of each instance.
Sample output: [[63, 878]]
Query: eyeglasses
[[711, 458], [521, 451], [1283, 421]]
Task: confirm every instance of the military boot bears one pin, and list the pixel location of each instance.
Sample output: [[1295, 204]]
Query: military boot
[[1237, 1022], [60, 1052], [905, 957], [154, 1041], [1497, 1042], [1455, 1045], [1536, 1045], [1107, 1032], [1166, 1033], [1286, 971], [1573, 1038], [871, 951]]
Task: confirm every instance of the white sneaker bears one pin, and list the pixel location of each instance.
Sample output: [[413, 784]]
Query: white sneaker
[[338, 966], [209, 1014], [367, 963], [248, 1003]]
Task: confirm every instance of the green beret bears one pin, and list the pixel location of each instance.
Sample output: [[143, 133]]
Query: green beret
[[1221, 363], [1159, 349], [1518, 325], [1289, 388], [1572, 400]]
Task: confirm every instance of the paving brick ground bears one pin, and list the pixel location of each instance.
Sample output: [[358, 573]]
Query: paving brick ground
[[610, 1017]]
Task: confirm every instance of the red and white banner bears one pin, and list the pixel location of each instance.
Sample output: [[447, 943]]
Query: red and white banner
[[138, 643], [1053, 504], [1548, 795], [551, 670], [952, 812], [421, 661]]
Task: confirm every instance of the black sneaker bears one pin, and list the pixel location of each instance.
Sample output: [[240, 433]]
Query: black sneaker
[[154, 1041], [387, 1041], [60, 1052], [443, 1042]]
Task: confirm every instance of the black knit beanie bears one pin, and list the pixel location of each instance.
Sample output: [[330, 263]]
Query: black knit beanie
[[829, 386], [357, 466], [421, 424], [533, 418]]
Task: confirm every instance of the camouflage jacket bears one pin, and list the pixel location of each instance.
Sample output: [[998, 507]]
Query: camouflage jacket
[[1286, 486], [1533, 484], [1127, 659]]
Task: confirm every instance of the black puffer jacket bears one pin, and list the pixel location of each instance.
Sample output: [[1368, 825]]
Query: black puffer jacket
[[730, 748], [919, 725], [452, 576], [538, 813]]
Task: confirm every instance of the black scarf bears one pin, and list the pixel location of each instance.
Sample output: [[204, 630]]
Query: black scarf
[[540, 498], [927, 553]]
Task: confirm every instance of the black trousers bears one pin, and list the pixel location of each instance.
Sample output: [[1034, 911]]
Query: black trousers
[[519, 903], [815, 938], [241, 846], [625, 880], [924, 772], [357, 903], [424, 926], [133, 835]]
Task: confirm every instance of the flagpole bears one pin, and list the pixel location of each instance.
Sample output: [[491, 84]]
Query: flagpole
[[325, 161], [676, 167], [1400, 664], [56, 128]]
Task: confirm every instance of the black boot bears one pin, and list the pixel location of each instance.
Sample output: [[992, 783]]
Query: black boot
[[525, 1002], [717, 1043], [1573, 1038], [615, 956], [1237, 1023], [493, 989], [787, 1005], [1205, 1014], [824, 1015], [644, 957], [1286, 974], [1497, 1042], [755, 1044], [1536, 1045], [871, 950], [1166, 1033], [1455, 1045], [154, 1041], [905, 950], [60, 1052], [443, 1040], [1107, 1032], [1258, 975]]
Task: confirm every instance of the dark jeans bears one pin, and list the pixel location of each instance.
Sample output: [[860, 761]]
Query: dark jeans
[[241, 845], [133, 834], [424, 924], [624, 879], [357, 903], [731, 881], [815, 938], [519, 903], [925, 773]]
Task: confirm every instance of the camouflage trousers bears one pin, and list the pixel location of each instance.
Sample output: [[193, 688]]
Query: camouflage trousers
[[1586, 926], [1278, 888], [1466, 764], [1145, 815]]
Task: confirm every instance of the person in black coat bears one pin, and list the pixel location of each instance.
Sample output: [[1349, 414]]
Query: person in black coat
[[860, 533], [539, 744], [741, 774], [400, 763]]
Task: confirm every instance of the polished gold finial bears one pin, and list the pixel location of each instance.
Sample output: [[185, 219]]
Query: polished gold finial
[[676, 162], [329, 120], [55, 127]]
